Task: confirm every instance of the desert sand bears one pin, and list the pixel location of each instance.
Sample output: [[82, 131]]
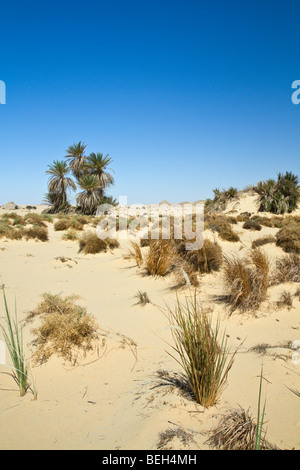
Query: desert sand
[[116, 399]]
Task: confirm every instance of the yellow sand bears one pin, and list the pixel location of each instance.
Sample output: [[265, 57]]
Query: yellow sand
[[115, 400]]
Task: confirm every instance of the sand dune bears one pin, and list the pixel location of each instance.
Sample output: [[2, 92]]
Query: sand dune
[[117, 399]]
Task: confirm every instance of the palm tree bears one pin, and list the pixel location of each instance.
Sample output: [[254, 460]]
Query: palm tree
[[59, 183], [90, 198], [97, 165], [76, 159]]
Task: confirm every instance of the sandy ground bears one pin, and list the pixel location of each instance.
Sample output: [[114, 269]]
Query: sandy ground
[[116, 400]]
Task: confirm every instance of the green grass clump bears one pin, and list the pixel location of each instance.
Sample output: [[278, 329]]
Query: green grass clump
[[279, 196], [13, 337], [200, 350]]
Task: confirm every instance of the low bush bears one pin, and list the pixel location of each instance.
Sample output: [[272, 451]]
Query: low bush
[[65, 329], [251, 225], [247, 280]]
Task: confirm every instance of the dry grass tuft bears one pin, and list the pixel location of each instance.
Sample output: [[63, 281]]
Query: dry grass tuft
[[65, 329], [247, 280], [69, 223], [287, 269], [288, 238], [166, 437], [251, 225], [71, 234], [185, 274], [229, 235], [90, 243], [285, 300], [161, 257], [36, 233], [142, 298], [235, 431], [263, 241], [136, 253]]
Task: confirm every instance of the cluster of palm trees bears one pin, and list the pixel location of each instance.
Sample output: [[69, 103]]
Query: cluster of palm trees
[[89, 173], [279, 196]]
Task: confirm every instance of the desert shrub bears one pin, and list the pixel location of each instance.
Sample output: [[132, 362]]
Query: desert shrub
[[201, 352], [287, 269], [184, 273], [251, 225], [65, 329], [288, 238], [243, 216], [160, 258], [285, 300], [263, 241], [90, 243], [71, 234], [36, 233], [205, 260], [247, 280], [15, 234], [216, 223], [35, 219], [229, 235], [83, 220], [265, 221], [75, 224], [61, 225]]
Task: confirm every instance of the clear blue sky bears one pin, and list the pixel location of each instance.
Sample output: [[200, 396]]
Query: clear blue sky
[[184, 95]]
